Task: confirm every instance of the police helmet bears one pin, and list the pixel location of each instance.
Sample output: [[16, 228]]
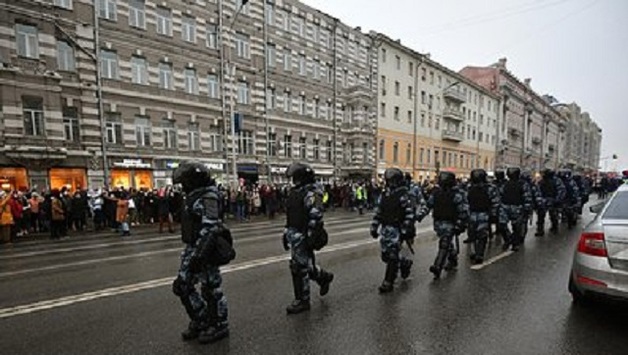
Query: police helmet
[[513, 173], [192, 175], [478, 176], [408, 178], [548, 173], [394, 177], [446, 179], [565, 174], [300, 173], [526, 175], [500, 175]]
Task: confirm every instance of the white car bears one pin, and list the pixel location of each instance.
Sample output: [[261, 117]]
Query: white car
[[600, 263]]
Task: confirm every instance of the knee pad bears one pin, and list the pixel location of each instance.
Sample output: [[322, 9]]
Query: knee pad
[[180, 287]]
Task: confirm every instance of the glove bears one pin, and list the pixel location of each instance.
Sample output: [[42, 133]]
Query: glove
[[374, 233], [286, 245]]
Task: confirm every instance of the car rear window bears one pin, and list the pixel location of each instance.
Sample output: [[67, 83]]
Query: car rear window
[[618, 207]]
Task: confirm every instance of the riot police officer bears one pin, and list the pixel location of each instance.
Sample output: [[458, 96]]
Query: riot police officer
[[517, 205], [303, 234], [499, 182], [395, 215], [585, 190], [208, 245], [526, 177], [484, 203], [552, 191], [451, 214], [572, 198]]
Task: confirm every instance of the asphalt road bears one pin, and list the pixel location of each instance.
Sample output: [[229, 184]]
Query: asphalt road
[[107, 295]]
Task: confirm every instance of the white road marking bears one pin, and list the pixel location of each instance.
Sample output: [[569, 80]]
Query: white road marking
[[120, 290], [492, 260]]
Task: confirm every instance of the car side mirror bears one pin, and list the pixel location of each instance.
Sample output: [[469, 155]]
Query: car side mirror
[[597, 208]]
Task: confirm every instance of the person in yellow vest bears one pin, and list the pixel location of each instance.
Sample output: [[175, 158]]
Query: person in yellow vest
[[360, 196], [6, 217]]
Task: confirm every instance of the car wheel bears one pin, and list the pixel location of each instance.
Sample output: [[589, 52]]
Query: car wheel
[[577, 296]]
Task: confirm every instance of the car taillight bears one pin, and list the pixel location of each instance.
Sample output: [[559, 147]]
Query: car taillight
[[592, 244]]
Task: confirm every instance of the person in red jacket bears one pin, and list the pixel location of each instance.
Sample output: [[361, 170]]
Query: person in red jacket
[[17, 212]]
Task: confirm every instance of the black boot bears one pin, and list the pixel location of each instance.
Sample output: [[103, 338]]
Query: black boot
[[554, 229], [478, 256], [299, 304], [213, 334], [452, 262], [404, 268], [193, 331], [439, 262], [324, 280], [389, 277], [540, 231]]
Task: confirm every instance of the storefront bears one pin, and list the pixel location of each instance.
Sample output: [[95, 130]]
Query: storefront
[[134, 173], [70, 178], [164, 168], [13, 179], [248, 172]]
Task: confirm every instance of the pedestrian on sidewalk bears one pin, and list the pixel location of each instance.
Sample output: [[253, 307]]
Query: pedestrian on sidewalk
[[35, 202], [122, 213], [57, 215], [163, 210], [6, 217]]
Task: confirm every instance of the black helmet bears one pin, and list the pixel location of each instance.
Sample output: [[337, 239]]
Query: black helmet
[[548, 173], [300, 173], [408, 178], [577, 178], [500, 175], [446, 179], [478, 176], [513, 173], [394, 177], [564, 174], [526, 175], [192, 175]]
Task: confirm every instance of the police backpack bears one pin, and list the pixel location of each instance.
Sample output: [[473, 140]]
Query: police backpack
[[318, 238], [222, 252]]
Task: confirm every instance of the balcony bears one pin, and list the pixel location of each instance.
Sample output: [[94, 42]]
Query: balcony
[[453, 136], [453, 114], [358, 92], [551, 147], [536, 140], [515, 132], [454, 94]]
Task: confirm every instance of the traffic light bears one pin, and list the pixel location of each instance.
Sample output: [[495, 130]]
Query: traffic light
[[614, 156]]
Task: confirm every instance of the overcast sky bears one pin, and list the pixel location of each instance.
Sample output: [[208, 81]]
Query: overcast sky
[[576, 50]]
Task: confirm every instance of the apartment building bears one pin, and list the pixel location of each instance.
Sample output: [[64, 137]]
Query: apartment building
[[431, 118], [150, 84], [583, 139], [532, 134]]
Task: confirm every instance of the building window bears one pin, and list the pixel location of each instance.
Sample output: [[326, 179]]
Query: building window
[[410, 68], [396, 152], [330, 74], [422, 120], [287, 103], [139, 73], [107, 9], [382, 109], [365, 152], [108, 64], [215, 142], [287, 146], [398, 61], [191, 82], [271, 144], [194, 137], [408, 153], [142, 131], [212, 86], [423, 97], [270, 14], [410, 93], [66, 4], [317, 108], [212, 37], [71, 131], [188, 29], [397, 88], [287, 59], [114, 129], [243, 93], [432, 77], [301, 105], [65, 56], [271, 55], [396, 114], [245, 143], [165, 76], [409, 116], [329, 150], [317, 149], [137, 14], [316, 71], [383, 55], [27, 41], [423, 74], [382, 149], [429, 156], [170, 135], [437, 124], [302, 66], [302, 148], [330, 110], [271, 100], [297, 25], [163, 17], [243, 48]]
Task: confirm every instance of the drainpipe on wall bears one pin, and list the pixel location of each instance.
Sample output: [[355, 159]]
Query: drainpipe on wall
[[101, 109]]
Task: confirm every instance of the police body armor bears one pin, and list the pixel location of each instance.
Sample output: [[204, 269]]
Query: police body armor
[[191, 223], [548, 189], [297, 217], [513, 193], [444, 207], [479, 200], [392, 213]]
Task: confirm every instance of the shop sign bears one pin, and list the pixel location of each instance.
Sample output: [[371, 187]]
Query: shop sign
[[210, 166], [247, 168], [278, 170], [132, 163]]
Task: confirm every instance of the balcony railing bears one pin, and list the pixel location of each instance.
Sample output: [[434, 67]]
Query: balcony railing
[[453, 136], [453, 114], [454, 94]]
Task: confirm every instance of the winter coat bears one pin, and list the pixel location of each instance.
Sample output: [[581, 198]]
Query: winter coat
[[6, 217]]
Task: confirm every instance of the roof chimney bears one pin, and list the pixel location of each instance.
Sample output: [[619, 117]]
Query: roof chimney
[[527, 81], [502, 62]]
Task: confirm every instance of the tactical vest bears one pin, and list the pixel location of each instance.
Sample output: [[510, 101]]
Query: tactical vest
[[444, 207], [391, 211], [513, 193], [191, 223], [479, 200], [297, 215], [548, 189]]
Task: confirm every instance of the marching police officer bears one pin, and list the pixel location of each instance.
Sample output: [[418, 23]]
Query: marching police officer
[[517, 205], [585, 190], [484, 203], [450, 214], [526, 177], [572, 199], [304, 233], [395, 215], [208, 245], [499, 181], [552, 191]]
